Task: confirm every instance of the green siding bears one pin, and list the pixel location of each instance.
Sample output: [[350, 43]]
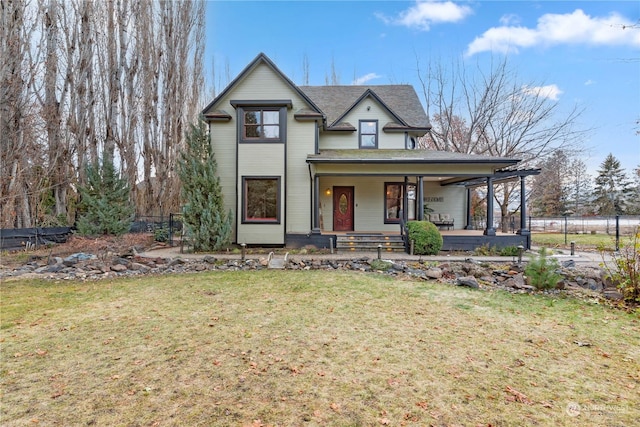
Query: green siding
[[369, 201], [266, 159], [349, 140]]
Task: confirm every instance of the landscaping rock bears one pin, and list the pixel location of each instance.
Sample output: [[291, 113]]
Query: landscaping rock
[[613, 294], [469, 273], [468, 281], [433, 273], [136, 266], [176, 261]]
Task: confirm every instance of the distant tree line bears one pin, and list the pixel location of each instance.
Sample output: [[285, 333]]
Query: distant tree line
[[564, 188], [87, 82]]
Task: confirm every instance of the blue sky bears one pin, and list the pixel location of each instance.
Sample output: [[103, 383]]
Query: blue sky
[[585, 53]]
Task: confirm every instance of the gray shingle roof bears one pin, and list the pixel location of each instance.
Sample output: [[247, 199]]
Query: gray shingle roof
[[406, 156], [402, 100]]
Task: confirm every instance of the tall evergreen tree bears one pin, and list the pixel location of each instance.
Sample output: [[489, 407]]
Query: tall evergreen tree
[[203, 211], [612, 188], [104, 205]]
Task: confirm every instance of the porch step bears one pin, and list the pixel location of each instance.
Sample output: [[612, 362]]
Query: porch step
[[277, 263], [369, 243]]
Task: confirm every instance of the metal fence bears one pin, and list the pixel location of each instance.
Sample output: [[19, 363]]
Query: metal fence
[[164, 228], [625, 224]]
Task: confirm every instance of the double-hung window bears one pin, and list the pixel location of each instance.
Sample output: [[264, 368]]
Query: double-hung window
[[261, 199], [368, 133]]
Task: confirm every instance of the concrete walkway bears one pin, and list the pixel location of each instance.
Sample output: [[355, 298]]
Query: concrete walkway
[[592, 259]]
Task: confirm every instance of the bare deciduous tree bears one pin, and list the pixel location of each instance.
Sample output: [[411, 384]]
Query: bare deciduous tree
[[493, 113], [115, 78]]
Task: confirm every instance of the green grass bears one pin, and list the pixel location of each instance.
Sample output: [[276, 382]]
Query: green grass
[[582, 241], [310, 348]]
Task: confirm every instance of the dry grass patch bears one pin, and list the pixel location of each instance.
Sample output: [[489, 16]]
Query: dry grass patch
[[310, 348]]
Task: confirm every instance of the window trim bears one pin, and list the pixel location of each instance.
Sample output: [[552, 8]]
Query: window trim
[[282, 125], [388, 220], [403, 186], [245, 219], [360, 134]]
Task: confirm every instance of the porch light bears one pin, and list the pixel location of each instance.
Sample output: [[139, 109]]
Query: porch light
[[327, 191]]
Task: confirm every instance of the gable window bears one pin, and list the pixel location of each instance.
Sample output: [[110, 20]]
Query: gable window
[[261, 199], [262, 124], [394, 201], [368, 133]]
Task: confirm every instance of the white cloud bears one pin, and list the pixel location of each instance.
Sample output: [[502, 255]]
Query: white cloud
[[426, 13], [367, 77], [552, 29], [589, 82], [551, 92], [510, 19]]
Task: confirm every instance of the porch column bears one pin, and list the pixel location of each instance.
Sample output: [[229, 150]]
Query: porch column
[[469, 225], [523, 209], [316, 205], [420, 197], [489, 230]]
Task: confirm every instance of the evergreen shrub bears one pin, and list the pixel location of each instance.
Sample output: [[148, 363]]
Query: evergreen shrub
[[104, 205], [426, 237], [203, 213], [542, 271]]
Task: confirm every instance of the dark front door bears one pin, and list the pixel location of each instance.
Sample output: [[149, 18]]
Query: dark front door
[[342, 208]]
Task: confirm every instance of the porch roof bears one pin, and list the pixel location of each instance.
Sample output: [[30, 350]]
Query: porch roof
[[380, 156]]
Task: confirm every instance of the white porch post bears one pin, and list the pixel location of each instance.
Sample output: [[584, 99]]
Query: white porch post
[[489, 230]]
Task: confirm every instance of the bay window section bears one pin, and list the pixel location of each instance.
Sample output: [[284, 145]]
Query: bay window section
[[395, 201], [261, 200]]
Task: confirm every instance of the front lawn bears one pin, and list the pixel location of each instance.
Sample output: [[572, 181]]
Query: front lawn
[[310, 348]]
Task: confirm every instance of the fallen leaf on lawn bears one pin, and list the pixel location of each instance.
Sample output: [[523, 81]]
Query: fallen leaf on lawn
[[516, 396], [335, 407], [57, 394]]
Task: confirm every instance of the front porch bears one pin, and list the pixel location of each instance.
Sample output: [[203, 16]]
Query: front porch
[[368, 241]]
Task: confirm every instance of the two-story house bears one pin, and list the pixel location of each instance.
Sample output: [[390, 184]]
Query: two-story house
[[302, 164]]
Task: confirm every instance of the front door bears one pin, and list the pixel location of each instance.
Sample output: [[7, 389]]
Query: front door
[[342, 208]]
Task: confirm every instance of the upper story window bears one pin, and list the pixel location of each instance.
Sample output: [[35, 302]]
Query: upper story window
[[368, 133], [261, 124], [262, 120]]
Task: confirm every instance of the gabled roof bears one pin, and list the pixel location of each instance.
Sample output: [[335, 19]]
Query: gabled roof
[[400, 101], [333, 103], [209, 111]]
